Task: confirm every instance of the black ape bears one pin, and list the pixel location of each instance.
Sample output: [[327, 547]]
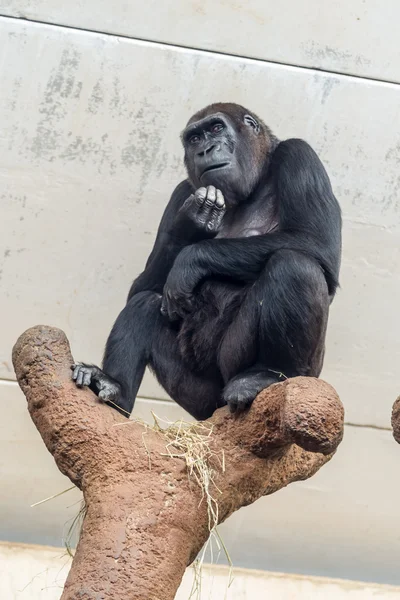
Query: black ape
[[236, 291]]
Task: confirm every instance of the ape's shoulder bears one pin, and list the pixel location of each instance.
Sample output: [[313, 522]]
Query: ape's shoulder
[[183, 190], [181, 193]]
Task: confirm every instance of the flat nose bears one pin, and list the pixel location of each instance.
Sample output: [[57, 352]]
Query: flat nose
[[206, 150]]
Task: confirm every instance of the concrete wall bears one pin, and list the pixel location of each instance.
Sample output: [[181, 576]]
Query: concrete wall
[[38, 573], [93, 97], [358, 37]]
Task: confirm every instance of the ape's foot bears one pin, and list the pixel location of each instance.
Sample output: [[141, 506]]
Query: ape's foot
[[240, 391], [101, 384]]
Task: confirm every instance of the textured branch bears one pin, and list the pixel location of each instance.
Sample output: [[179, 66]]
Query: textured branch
[[396, 420], [146, 519]]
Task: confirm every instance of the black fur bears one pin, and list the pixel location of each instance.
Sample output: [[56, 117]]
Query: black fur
[[236, 291]]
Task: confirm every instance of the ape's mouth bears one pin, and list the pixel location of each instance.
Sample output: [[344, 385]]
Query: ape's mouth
[[215, 167]]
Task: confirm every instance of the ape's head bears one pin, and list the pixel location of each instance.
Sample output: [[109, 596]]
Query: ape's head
[[227, 146]]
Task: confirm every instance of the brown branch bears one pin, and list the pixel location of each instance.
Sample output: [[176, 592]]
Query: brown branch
[[396, 420], [146, 520]]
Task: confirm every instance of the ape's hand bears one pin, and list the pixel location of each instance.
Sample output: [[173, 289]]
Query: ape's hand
[[184, 276], [203, 210]]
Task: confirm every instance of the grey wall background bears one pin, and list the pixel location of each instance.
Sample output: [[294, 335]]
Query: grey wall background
[[93, 96]]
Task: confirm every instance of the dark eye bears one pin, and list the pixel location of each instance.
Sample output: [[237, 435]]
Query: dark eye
[[217, 128], [194, 139]]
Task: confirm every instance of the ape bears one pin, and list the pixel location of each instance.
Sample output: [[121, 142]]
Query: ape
[[236, 291]]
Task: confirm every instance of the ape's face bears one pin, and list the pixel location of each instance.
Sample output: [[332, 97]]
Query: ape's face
[[224, 153]]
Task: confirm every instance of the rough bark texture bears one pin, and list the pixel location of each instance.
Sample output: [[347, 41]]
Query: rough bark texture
[[145, 519], [396, 420]]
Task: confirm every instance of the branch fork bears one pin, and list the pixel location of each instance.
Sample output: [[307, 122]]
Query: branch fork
[[146, 520]]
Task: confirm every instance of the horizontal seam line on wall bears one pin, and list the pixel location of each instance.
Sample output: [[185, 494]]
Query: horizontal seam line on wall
[[171, 402], [366, 426], [197, 49]]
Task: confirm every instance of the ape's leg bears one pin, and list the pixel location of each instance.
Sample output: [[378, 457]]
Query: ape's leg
[[142, 336], [279, 330], [199, 394]]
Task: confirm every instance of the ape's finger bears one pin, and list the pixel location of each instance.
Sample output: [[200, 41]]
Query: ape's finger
[[87, 378], [79, 379], [204, 210], [232, 408], [163, 309], [200, 195], [217, 212], [211, 195], [76, 372], [167, 309], [220, 202], [215, 219]]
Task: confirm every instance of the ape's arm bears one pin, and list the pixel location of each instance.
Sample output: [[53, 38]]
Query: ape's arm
[[189, 217], [309, 222], [162, 257], [166, 247]]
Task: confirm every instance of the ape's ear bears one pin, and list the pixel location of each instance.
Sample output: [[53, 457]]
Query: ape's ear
[[252, 122]]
